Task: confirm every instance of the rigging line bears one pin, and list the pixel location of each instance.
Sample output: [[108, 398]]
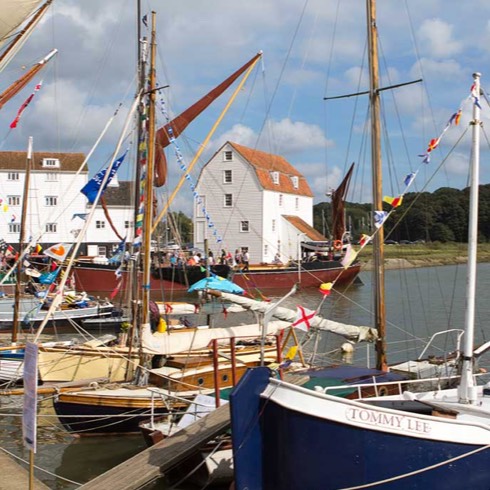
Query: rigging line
[[418, 472], [39, 468]]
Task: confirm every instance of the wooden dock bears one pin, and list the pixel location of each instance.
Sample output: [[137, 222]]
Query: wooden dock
[[152, 463], [15, 476]]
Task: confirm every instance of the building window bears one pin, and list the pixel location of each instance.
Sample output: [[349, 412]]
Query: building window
[[273, 225], [100, 225], [14, 227], [228, 200], [52, 177], [128, 224], [51, 227], [13, 200], [227, 177], [295, 181], [228, 156], [101, 251], [280, 199], [13, 176], [266, 249], [275, 177], [51, 200], [244, 226], [296, 203], [51, 162]]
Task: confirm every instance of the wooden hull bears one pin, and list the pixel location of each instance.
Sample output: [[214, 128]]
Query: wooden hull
[[101, 278]]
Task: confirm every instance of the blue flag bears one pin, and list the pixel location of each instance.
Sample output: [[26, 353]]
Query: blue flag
[[49, 277], [92, 187]]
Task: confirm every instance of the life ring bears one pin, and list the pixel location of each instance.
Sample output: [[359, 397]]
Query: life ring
[[337, 245], [383, 391]]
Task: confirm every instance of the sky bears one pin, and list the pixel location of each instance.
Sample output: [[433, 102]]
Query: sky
[[311, 49]]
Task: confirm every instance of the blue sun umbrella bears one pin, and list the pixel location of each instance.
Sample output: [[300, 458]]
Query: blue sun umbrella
[[218, 283]]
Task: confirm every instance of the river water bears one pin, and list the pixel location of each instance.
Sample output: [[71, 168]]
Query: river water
[[419, 302]]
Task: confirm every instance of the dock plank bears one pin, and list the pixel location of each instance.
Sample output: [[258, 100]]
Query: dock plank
[[15, 476], [152, 463]]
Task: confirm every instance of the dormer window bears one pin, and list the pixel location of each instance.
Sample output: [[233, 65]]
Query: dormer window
[[295, 181], [275, 177], [228, 156], [51, 162]]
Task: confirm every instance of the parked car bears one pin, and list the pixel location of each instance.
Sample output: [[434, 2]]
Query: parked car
[[391, 242]]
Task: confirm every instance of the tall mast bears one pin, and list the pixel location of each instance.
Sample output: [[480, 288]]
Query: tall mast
[[467, 391], [148, 217], [15, 324], [378, 248]]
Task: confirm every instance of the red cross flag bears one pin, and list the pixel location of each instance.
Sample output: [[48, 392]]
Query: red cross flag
[[304, 318]]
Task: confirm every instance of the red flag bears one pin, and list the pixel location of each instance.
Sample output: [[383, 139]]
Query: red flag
[[303, 318], [433, 144], [13, 124]]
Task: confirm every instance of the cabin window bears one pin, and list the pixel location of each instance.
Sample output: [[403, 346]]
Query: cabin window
[[295, 181], [280, 199], [101, 251], [51, 162], [52, 177], [225, 378], [275, 177], [228, 203], [51, 200], [14, 227], [244, 226], [273, 225], [228, 156], [200, 381], [100, 225], [51, 227], [227, 177], [13, 176], [13, 200], [296, 203]]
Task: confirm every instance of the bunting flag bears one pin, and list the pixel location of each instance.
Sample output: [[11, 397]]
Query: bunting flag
[[349, 257], [23, 107], [365, 239], [476, 96], [92, 187], [10, 252], [291, 354], [49, 277], [38, 248], [326, 288], [59, 251], [380, 218], [13, 218], [409, 179], [303, 318], [433, 144], [455, 118], [394, 201]]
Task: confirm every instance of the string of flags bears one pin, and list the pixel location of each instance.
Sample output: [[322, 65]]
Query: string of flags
[[188, 178], [24, 105]]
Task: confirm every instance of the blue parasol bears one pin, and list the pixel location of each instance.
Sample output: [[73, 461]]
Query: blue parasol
[[218, 283]]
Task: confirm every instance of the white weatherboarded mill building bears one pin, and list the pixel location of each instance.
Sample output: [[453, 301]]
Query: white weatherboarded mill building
[[255, 201]]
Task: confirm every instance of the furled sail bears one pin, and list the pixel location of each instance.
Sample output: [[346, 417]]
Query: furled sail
[[19, 84], [15, 13], [338, 198], [351, 332], [176, 126]]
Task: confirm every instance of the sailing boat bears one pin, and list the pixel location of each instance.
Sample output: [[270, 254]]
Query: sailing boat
[[436, 439]]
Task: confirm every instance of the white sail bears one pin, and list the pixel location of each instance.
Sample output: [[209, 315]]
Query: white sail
[[351, 332], [176, 341]]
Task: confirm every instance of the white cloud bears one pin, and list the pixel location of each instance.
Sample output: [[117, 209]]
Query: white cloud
[[436, 39]]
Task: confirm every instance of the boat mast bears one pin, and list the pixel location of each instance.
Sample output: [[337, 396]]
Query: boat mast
[[378, 245], [467, 389], [15, 324], [150, 167]]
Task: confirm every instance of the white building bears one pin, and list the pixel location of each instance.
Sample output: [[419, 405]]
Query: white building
[[54, 198], [254, 200]]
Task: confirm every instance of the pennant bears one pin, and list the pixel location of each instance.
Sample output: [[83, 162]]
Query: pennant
[[10, 252], [22, 108], [91, 188], [394, 201], [145, 20], [433, 144], [455, 118], [410, 178], [349, 257], [115, 291], [291, 354], [303, 318], [58, 251], [80, 215], [426, 157], [380, 218], [49, 277], [38, 248], [326, 288], [365, 239], [13, 218]]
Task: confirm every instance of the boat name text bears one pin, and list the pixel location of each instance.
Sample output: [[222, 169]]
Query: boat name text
[[380, 419]]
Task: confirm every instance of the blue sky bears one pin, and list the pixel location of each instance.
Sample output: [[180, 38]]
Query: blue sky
[[312, 49]]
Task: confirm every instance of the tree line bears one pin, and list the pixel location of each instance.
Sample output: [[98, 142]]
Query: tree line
[[439, 216]]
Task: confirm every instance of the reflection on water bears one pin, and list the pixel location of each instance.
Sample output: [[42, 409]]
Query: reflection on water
[[418, 303]]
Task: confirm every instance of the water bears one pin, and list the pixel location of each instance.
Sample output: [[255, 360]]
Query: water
[[418, 303]]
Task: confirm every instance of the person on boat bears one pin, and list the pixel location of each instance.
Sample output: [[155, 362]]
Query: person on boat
[[245, 260], [197, 258], [222, 259], [238, 257], [211, 260], [277, 259]]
